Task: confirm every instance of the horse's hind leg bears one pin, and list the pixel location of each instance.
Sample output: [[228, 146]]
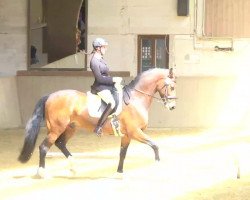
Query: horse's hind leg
[[124, 147], [61, 144], [62, 141], [43, 149], [142, 137]]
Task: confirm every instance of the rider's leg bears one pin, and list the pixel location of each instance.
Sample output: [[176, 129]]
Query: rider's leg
[[107, 98]]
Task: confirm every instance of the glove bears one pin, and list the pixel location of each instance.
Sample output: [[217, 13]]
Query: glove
[[117, 79], [118, 86]]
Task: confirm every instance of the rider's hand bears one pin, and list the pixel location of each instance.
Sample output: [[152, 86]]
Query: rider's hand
[[117, 79]]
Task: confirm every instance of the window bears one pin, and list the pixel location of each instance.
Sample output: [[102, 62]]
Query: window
[[153, 52], [227, 18]]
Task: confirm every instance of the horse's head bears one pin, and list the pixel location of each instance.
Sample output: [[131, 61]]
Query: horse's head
[[166, 89]]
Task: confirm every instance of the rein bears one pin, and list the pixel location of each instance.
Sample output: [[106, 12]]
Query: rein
[[148, 94], [162, 99]]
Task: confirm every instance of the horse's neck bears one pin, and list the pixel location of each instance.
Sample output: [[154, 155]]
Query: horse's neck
[[143, 93], [147, 85], [144, 85]]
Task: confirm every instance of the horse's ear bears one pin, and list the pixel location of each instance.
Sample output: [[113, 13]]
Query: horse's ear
[[171, 73]]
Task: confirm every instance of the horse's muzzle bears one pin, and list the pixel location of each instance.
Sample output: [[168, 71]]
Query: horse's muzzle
[[170, 105]]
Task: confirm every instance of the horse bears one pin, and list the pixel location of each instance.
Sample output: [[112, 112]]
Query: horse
[[65, 111]]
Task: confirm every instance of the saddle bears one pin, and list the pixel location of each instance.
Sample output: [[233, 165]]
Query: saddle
[[126, 94], [96, 105]]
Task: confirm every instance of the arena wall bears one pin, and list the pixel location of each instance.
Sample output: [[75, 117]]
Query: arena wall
[[9, 103], [202, 101]]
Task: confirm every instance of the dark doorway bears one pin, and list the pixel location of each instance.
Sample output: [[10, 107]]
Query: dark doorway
[[54, 29], [81, 28]]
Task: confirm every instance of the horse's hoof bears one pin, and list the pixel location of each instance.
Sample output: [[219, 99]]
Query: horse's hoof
[[42, 174], [72, 173], [117, 175], [157, 159], [71, 165], [71, 161]]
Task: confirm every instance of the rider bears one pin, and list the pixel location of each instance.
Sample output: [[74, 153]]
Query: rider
[[103, 82]]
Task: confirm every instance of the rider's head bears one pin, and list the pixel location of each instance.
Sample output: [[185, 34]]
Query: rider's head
[[100, 45]]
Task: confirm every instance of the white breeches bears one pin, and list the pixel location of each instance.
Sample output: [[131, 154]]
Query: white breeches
[[107, 97]]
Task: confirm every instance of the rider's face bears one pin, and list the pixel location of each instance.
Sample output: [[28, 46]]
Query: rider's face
[[103, 50]]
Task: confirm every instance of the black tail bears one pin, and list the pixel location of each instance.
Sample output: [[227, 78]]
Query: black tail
[[32, 130]]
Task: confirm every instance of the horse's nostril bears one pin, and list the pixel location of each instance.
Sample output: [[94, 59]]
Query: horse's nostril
[[172, 108]]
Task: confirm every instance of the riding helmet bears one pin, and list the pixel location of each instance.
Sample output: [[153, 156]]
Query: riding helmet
[[99, 42]]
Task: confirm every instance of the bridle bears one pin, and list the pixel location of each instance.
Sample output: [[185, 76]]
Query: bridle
[[148, 94], [162, 99]]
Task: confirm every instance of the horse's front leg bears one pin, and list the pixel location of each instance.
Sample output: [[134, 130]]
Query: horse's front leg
[[125, 141], [140, 136]]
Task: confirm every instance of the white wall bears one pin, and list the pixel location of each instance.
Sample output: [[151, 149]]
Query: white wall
[[13, 36], [9, 103], [203, 102], [205, 61], [121, 21]]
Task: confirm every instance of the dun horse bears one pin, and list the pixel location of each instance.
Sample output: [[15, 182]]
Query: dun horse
[[66, 110]]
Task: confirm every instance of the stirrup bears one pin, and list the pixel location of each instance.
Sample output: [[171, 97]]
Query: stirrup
[[116, 126]]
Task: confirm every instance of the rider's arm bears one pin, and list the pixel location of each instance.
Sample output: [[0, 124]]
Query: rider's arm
[[107, 80]]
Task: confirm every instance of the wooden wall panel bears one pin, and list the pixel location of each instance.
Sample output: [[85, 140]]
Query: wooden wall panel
[[227, 18]]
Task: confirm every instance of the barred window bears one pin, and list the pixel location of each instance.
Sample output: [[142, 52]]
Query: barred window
[[152, 52]]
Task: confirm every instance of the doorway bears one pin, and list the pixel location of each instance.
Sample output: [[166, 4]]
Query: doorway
[[54, 29]]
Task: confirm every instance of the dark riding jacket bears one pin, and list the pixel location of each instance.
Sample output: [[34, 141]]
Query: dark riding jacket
[[101, 73]]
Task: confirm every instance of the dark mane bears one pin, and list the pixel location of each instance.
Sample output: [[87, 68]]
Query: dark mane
[[131, 86], [133, 83]]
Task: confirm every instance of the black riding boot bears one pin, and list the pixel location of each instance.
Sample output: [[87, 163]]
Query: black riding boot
[[102, 120]]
